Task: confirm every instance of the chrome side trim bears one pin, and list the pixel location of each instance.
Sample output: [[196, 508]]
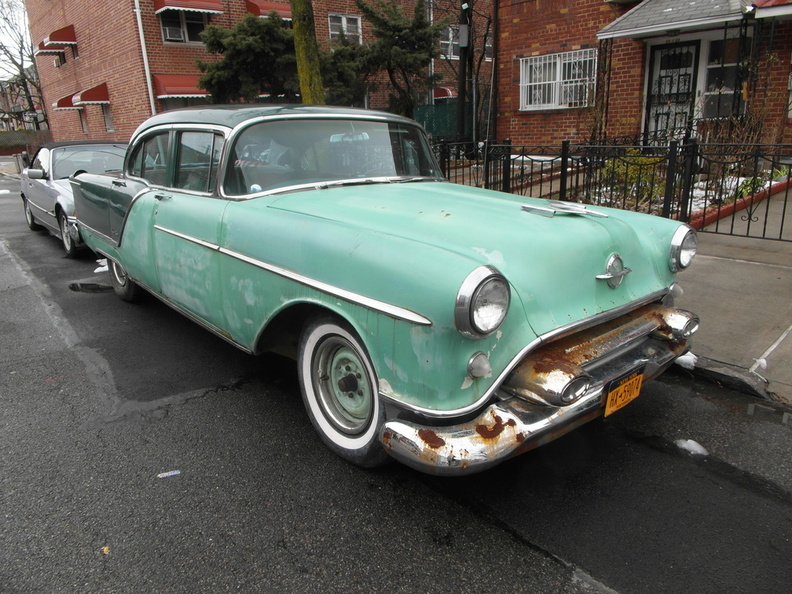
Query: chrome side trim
[[386, 308]]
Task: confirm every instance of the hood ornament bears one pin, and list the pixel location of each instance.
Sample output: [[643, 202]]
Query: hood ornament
[[557, 207], [615, 271]]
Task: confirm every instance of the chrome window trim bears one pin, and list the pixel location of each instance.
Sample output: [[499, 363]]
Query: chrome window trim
[[388, 309], [236, 130]]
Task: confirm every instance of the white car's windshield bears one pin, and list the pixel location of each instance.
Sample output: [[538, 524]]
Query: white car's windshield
[[92, 159], [278, 154]]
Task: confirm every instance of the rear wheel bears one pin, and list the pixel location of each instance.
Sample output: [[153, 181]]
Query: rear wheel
[[66, 239], [124, 287], [31, 221], [339, 390]]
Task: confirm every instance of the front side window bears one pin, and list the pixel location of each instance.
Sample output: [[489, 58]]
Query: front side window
[[150, 159], [344, 25], [563, 80], [197, 160], [272, 155], [180, 26]]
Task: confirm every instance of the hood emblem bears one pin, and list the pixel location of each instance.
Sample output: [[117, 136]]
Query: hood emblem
[[615, 271], [555, 207]]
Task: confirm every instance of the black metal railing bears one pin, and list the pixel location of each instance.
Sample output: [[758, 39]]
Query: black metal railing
[[720, 188]]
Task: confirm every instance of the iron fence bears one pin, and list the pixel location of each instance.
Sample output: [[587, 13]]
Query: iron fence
[[720, 188]]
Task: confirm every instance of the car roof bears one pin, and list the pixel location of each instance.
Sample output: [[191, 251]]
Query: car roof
[[232, 115], [52, 145]]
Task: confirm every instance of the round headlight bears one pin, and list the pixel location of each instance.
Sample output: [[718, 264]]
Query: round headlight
[[482, 302], [683, 248]]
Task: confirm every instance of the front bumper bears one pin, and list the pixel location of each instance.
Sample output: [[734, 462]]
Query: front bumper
[[516, 424]]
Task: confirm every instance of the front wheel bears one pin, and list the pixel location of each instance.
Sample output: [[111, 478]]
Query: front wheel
[[66, 239], [31, 221], [124, 287], [339, 390]]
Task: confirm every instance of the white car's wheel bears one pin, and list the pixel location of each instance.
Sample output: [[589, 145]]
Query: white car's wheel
[[66, 239], [29, 218], [339, 389]]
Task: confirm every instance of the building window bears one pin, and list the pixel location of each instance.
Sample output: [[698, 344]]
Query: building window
[[343, 25], [723, 83], [558, 80], [449, 44], [83, 121], [108, 117], [181, 26]]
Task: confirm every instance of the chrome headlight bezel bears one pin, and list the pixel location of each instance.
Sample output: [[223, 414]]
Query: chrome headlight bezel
[[474, 295], [684, 244]]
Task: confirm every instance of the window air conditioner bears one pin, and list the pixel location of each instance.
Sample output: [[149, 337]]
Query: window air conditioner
[[173, 34]]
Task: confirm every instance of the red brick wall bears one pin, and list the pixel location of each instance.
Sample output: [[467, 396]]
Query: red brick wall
[[539, 27], [769, 100]]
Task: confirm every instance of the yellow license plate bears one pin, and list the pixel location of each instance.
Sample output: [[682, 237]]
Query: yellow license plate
[[623, 391]]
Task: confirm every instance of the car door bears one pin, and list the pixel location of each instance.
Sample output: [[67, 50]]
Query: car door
[[39, 189], [187, 221]]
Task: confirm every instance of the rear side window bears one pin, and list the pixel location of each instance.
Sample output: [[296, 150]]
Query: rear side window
[[150, 160], [197, 159]]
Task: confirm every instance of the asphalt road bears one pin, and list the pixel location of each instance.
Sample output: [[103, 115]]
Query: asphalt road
[[99, 399]]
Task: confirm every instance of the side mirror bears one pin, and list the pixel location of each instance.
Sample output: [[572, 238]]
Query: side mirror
[[35, 173]]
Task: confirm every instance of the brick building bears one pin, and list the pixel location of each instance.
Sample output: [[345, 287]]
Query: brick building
[[608, 68], [106, 65]]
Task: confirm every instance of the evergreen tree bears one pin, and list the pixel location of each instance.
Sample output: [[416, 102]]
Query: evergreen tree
[[256, 57], [404, 49]]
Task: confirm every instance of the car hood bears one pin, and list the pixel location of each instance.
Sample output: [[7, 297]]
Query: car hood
[[550, 261], [63, 186]]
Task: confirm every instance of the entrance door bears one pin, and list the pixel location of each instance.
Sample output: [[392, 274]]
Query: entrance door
[[672, 84]]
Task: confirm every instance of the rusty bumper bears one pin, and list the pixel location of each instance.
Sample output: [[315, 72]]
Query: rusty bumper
[[518, 421]]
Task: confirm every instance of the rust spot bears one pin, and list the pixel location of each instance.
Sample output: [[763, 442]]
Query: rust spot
[[431, 438], [495, 430], [520, 437], [386, 438]]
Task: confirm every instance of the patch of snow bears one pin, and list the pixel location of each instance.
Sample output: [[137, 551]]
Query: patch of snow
[[691, 447]]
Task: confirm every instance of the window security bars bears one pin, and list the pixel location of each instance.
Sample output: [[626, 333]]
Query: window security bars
[[565, 80]]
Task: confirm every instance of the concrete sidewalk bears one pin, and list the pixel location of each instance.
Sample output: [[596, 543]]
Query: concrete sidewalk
[[742, 290]]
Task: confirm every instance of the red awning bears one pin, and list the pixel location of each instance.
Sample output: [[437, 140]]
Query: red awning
[[210, 6], [63, 36], [51, 49], [65, 103], [93, 96], [167, 86], [260, 8], [444, 93]]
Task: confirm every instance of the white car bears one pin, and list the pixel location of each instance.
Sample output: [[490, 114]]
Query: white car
[[46, 192]]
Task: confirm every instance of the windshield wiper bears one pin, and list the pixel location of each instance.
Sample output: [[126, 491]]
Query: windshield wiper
[[353, 182]]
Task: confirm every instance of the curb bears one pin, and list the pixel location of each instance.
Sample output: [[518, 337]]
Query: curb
[[737, 379]]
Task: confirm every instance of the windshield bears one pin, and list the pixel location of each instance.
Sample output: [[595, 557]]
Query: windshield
[[89, 158], [277, 154]]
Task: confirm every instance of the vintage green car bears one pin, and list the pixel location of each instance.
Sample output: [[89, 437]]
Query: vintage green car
[[446, 326]]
